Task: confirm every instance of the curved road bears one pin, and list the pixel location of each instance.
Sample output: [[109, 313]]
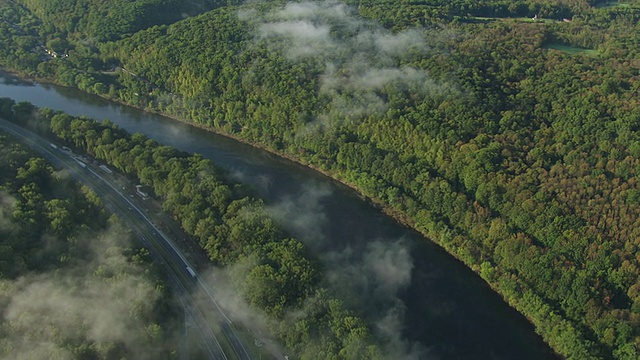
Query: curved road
[[182, 273]]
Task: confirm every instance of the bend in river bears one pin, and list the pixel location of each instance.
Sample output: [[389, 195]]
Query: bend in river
[[411, 289]]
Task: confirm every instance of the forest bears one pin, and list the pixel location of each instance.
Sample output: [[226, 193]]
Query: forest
[[67, 268], [272, 271], [506, 132]]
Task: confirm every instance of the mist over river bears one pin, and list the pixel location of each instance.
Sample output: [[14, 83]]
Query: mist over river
[[413, 292]]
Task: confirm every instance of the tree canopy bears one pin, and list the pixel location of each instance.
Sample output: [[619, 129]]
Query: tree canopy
[[67, 269], [505, 131], [272, 271]]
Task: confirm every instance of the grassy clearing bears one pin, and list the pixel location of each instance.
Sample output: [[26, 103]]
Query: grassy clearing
[[612, 4], [519, 19], [570, 49]]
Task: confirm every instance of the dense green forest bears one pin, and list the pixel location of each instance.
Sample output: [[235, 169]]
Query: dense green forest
[[510, 141], [90, 20], [273, 272], [66, 272]]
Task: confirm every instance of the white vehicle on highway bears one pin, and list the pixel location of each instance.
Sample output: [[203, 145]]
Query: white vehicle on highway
[[191, 272]]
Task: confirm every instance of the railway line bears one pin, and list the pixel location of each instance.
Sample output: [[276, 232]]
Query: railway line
[[208, 316]]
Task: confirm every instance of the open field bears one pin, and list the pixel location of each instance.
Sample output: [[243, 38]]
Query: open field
[[571, 49], [612, 4], [519, 19]]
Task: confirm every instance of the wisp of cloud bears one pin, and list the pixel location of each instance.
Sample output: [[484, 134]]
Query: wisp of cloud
[[362, 60]]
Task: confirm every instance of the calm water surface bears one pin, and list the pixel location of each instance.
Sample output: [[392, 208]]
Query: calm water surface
[[409, 287]]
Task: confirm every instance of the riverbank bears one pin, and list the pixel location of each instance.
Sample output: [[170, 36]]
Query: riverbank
[[377, 203], [396, 215], [446, 295]]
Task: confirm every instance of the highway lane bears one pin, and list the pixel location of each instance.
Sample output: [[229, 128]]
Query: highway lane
[[185, 268], [161, 245]]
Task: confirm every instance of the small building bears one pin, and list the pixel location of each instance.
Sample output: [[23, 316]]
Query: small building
[[54, 54]]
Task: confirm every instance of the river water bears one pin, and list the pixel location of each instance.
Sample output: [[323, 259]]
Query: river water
[[427, 302]]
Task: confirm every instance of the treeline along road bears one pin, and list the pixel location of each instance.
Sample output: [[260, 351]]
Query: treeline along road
[[177, 266]]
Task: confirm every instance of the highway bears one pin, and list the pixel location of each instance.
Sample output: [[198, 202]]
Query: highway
[[208, 315]]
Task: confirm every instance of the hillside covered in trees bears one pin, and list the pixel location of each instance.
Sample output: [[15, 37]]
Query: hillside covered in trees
[[506, 131], [72, 284], [271, 271]]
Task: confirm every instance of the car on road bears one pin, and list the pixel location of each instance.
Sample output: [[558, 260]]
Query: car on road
[[191, 272]]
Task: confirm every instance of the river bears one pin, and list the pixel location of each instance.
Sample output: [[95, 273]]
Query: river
[[427, 302]]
